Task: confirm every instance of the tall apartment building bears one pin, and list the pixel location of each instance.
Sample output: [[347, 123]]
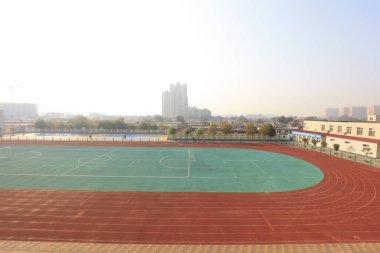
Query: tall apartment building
[[344, 111], [2, 125], [175, 101], [166, 104], [374, 110], [19, 111], [331, 113], [358, 112]]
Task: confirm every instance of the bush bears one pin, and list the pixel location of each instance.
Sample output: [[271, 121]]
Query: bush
[[336, 146], [324, 144]]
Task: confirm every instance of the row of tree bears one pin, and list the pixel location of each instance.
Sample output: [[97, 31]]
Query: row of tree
[[226, 128], [81, 122]]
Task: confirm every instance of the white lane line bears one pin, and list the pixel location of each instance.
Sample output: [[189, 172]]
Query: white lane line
[[266, 220], [82, 164]]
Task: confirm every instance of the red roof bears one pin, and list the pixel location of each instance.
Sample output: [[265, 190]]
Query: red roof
[[342, 136]]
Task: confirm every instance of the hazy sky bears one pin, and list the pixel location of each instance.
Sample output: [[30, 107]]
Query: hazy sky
[[237, 57]]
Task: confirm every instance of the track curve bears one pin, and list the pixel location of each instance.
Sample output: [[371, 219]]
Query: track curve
[[344, 207]]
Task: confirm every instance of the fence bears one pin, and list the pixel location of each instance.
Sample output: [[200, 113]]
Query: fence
[[229, 140], [85, 138], [341, 154]]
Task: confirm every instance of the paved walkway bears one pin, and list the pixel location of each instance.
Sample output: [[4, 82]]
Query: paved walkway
[[57, 247]]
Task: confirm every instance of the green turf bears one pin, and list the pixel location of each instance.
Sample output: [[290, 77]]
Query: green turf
[[153, 169]]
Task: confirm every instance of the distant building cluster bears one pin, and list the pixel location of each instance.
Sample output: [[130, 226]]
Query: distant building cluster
[[198, 114], [176, 103], [19, 111], [351, 112]]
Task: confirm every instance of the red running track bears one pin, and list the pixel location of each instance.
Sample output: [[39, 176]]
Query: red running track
[[344, 207]]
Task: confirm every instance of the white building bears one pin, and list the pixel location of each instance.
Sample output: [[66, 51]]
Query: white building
[[175, 102], [351, 136], [19, 111]]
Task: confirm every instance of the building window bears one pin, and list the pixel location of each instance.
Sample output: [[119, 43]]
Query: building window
[[359, 131], [339, 129], [371, 132], [348, 130], [323, 128], [331, 128]]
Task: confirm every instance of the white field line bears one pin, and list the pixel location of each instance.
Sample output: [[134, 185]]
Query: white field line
[[258, 160], [27, 158], [188, 164], [89, 176], [104, 176], [261, 168], [82, 164]]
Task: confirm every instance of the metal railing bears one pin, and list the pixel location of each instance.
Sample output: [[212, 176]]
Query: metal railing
[[341, 154], [82, 138]]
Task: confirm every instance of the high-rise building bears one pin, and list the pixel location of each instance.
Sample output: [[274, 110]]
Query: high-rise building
[[166, 104], [2, 125], [374, 110], [344, 111], [19, 111], [331, 113], [175, 101], [358, 112]]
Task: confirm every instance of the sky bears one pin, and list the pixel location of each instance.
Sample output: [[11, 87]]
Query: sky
[[281, 57]]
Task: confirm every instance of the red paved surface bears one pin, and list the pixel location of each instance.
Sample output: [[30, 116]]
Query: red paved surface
[[344, 207]]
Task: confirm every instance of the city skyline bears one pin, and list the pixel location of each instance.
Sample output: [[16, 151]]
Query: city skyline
[[238, 57]]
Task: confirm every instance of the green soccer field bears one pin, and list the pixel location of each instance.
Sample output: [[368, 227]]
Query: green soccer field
[[153, 169]]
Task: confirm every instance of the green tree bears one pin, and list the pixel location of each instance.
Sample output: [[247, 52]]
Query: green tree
[[314, 142], [199, 132], [172, 130], [336, 146], [323, 144], [187, 131], [119, 123], [250, 129], [40, 123], [212, 129], [147, 125], [242, 119], [80, 122], [226, 127], [281, 120], [158, 118], [180, 118], [267, 130]]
